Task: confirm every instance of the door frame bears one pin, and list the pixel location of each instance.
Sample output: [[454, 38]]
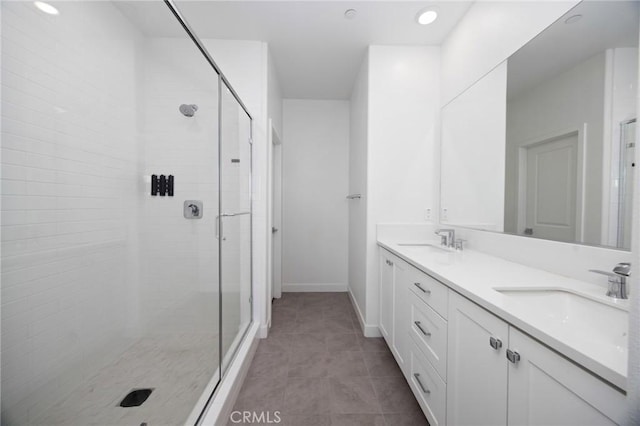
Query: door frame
[[581, 132], [274, 289]]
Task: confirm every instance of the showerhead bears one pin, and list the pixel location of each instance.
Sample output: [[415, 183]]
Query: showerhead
[[188, 110]]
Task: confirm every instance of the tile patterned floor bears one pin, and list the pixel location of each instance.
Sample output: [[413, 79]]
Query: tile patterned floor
[[317, 368], [177, 357]]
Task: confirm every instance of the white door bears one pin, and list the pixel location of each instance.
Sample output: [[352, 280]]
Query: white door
[[547, 389], [386, 297], [276, 215], [476, 370], [551, 189]]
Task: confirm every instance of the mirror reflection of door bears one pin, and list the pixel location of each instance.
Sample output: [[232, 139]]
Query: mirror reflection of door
[[551, 185], [580, 74]]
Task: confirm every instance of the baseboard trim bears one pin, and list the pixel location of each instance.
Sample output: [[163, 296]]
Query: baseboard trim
[[225, 396], [368, 330], [313, 287], [263, 331]]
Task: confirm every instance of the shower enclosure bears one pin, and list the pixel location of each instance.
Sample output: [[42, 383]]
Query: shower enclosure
[[126, 215]]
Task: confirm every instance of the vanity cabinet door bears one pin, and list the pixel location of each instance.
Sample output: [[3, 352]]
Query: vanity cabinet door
[[386, 296], [400, 338], [547, 389], [476, 370]]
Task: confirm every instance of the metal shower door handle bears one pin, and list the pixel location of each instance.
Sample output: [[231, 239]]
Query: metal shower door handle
[[219, 221]]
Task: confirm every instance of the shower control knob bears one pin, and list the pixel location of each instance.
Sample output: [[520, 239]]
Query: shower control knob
[[192, 209]]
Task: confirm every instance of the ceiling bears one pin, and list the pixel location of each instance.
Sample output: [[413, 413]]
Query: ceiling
[[603, 25], [316, 50]]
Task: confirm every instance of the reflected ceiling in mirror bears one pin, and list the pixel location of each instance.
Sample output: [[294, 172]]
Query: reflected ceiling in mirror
[[570, 128]]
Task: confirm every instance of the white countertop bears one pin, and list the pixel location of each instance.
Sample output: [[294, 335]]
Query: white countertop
[[475, 275]]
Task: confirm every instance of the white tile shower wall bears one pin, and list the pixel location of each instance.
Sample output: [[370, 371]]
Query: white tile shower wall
[[68, 179], [187, 147], [72, 96], [179, 257]]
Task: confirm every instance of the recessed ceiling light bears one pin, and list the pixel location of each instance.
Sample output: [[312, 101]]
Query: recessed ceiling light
[[350, 13], [46, 8], [573, 19], [426, 16]]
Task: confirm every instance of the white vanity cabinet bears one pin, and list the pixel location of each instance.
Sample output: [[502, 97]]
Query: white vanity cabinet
[[427, 365], [476, 371], [393, 305], [466, 366], [386, 295], [546, 389], [536, 386]]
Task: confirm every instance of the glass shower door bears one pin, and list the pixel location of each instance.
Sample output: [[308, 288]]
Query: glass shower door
[[234, 236], [110, 292]]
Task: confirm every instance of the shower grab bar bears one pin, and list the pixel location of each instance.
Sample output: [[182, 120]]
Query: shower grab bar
[[354, 197], [219, 224]]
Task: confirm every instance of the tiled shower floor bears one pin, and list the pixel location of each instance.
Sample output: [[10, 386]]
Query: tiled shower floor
[[177, 366], [177, 358], [316, 368]]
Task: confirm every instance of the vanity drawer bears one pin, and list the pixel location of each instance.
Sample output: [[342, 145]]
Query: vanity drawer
[[429, 331], [432, 292], [428, 387]]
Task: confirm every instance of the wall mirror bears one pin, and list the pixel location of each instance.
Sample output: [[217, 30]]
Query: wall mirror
[[561, 167]]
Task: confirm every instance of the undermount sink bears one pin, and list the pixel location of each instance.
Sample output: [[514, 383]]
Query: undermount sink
[[423, 245], [573, 314]]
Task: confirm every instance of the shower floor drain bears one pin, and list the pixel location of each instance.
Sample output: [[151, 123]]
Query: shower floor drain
[[136, 398]]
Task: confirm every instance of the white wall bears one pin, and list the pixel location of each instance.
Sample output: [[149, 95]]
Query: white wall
[[403, 129], [315, 184], [69, 176], [488, 34], [274, 95], [358, 137], [274, 183], [473, 154]]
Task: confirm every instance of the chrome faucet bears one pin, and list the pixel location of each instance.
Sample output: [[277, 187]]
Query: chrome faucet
[[617, 280], [447, 237]]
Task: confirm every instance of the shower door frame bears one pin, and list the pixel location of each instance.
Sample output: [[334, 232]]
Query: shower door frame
[[222, 82]]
